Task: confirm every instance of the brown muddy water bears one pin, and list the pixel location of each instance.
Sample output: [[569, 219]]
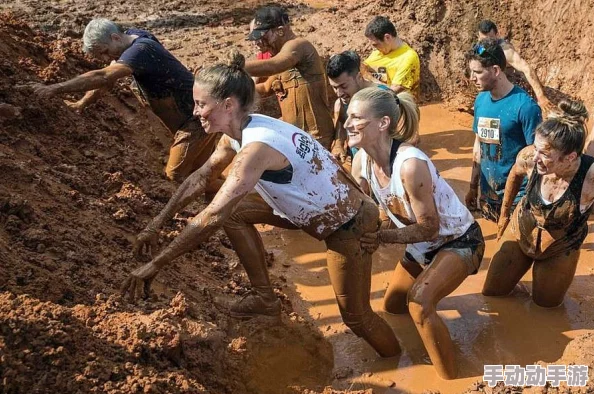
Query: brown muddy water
[[509, 330]]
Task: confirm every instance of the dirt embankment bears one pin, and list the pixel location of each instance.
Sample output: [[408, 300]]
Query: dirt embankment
[[74, 191], [552, 35]]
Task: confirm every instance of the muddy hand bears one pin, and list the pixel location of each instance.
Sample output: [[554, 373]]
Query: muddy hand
[[501, 226], [370, 242], [41, 90], [470, 199], [146, 243], [138, 284], [546, 106], [338, 150]]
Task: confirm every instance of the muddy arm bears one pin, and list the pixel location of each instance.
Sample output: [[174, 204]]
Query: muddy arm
[[89, 98], [516, 61], [356, 172], [418, 184], [264, 89], [195, 184], [472, 193], [340, 136], [476, 163], [91, 80], [524, 163], [248, 167], [287, 58]]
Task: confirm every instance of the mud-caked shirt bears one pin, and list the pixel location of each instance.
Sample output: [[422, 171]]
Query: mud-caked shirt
[[160, 77], [454, 217], [312, 196], [504, 127]]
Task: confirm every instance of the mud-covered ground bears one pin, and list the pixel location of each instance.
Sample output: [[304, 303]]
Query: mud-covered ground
[[76, 188]]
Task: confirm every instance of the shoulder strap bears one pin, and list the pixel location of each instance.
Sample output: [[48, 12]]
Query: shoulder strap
[[393, 153], [577, 182]]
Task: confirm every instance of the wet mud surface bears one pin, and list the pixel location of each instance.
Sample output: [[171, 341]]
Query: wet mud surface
[[76, 188], [486, 330]]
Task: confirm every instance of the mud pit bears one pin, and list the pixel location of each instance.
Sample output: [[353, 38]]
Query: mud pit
[[509, 330], [76, 189]]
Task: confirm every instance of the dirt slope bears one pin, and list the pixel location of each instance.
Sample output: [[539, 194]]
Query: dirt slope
[[74, 190]]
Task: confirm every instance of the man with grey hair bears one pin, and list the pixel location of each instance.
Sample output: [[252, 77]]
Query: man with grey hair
[[163, 81]]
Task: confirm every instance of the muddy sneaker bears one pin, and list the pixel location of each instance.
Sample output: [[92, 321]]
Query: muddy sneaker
[[254, 305]]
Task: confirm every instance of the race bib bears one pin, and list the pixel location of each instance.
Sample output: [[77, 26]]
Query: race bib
[[381, 74], [488, 130]]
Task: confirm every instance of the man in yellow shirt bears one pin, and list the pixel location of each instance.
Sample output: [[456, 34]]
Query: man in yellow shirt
[[393, 62]]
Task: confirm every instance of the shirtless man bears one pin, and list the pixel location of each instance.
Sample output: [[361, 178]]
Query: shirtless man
[[488, 29], [164, 83], [296, 75], [345, 78]]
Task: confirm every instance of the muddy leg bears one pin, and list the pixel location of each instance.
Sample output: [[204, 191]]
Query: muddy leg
[[444, 275], [507, 267], [349, 267], [402, 281], [247, 241], [552, 277]]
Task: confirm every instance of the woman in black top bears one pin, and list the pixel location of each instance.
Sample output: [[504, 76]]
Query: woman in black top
[[549, 224]]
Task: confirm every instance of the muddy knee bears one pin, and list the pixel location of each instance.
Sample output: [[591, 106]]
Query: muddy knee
[[420, 309], [359, 323], [395, 302], [420, 313]]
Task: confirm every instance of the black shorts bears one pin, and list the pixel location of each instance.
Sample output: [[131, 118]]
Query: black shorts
[[470, 246]]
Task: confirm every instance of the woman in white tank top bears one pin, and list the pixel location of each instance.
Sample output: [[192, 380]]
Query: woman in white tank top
[[444, 243], [300, 186]]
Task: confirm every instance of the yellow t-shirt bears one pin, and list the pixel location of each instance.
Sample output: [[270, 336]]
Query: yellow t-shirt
[[400, 67]]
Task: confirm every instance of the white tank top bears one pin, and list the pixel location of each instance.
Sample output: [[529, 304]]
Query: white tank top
[[454, 217], [314, 198]]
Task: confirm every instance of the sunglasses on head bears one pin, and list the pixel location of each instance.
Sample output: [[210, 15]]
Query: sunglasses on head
[[483, 52]]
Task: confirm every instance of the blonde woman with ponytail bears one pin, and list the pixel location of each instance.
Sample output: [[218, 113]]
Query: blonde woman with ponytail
[[444, 243], [299, 185], [549, 225]]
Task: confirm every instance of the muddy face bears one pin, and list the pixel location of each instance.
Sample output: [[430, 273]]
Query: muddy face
[[209, 110], [362, 128], [257, 43], [345, 86], [270, 41], [550, 160], [483, 36]]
